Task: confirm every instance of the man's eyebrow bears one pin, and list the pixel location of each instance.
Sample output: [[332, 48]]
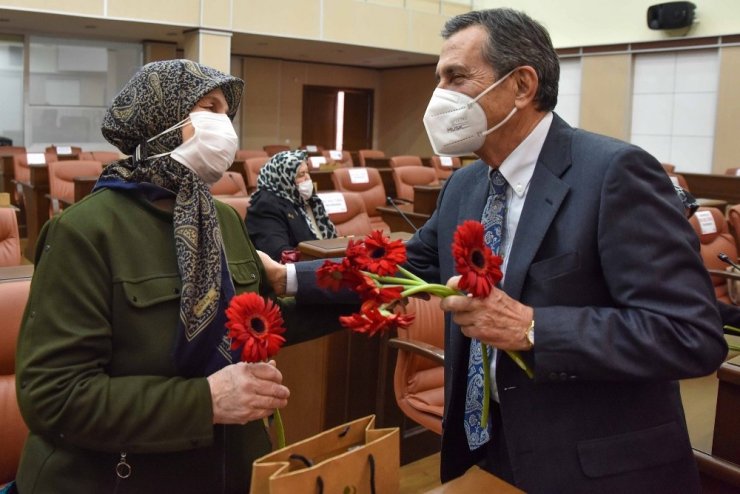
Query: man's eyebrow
[[450, 69]]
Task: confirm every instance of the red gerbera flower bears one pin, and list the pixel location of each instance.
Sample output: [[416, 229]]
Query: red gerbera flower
[[255, 325], [371, 320], [479, 267], [335, 275], [370, 291], [381, 255]]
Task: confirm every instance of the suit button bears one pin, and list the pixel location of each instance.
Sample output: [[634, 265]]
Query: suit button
[[572, 378], [553, 376], [563, 376]]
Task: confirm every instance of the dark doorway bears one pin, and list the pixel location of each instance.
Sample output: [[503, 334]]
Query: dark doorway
[[321, 107]]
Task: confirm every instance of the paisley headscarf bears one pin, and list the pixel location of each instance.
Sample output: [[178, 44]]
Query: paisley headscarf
[[156, 98], [278, 177]]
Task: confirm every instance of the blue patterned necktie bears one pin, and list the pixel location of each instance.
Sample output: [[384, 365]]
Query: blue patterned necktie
[[493, 225]]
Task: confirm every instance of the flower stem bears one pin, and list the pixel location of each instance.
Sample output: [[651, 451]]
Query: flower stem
[[279, 429], [410, 275], [432, 288], [392, 280], [486, 386], [521, 363]]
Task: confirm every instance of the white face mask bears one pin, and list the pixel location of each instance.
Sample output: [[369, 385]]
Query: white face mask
[[456, 123], [305, 189], [211, 150]]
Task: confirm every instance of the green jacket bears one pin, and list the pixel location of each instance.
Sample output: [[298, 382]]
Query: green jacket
[[95, 376]]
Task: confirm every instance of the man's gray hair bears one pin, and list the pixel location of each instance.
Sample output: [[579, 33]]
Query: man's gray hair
[[515, 39]]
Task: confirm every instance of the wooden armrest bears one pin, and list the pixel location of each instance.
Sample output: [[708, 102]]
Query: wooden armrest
[[722, 470], [402, 201], [431, 352]]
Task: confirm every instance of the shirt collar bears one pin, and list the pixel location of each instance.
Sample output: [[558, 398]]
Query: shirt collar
[[518, 167]]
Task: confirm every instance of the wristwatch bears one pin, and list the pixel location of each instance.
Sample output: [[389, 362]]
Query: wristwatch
[[530, 334]]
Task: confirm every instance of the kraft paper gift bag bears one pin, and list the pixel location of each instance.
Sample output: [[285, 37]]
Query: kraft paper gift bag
[[353, 458]]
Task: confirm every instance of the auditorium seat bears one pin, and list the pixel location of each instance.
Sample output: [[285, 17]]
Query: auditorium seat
[[362, 154], [105, 157], [445, 165], [406, 177], [10, 240], [230, 184], [13, 430], [733, 220], [61, 180], [73, 154], [678, 179], [252, 167], [714, 235], [406, 160], [345, 160], [273, 149], [368, 183], [418, 379], [245, 154], [231, 190], [354, 221], [9, 152]]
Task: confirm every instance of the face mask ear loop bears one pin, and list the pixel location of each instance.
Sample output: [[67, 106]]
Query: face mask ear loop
[[491, 88], [511, 114], [178, 125]]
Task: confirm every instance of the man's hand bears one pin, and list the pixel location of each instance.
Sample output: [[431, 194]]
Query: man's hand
[[241, 392], [497, 320], [276, 273]]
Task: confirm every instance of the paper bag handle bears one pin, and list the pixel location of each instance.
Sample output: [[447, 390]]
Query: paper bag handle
[[370, 459]]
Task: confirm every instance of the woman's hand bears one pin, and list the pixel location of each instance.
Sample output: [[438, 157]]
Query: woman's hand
[[242, 392], [276, 273]]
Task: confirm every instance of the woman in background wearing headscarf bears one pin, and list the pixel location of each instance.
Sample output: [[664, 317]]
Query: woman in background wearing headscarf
[[125, 374], [284, 210]]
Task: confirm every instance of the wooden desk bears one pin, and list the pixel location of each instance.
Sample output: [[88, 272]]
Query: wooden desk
[[425, 198], [713, 203], [84, 186], [335, 247], [476, 480], [396, 221], [726, 440], [344, 376], [322, 178], [7, 173], [10, 273], [725, 187], [378, 162], [36, 205]]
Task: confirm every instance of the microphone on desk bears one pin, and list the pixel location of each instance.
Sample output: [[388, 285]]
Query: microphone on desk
[[725, 258], [392, 203]]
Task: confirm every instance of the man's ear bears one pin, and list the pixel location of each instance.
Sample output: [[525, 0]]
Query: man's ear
[[527, 83]]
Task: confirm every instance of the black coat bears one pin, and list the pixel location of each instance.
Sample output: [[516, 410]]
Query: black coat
[[276, 224]]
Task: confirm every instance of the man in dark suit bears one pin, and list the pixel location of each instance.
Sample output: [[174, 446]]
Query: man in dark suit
[[600, 268], [604, 293]]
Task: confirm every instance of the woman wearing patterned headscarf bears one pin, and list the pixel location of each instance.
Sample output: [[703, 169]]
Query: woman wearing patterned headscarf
[[126, 377], [285, 209]]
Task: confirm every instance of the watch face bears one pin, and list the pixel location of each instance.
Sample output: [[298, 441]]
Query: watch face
[[530, 336]]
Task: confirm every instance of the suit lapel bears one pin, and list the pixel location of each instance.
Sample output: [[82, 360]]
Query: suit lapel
[[472, 208], [546, 193]]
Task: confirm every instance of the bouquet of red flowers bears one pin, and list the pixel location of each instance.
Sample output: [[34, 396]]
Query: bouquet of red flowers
[[372, 268], [256, 326]]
